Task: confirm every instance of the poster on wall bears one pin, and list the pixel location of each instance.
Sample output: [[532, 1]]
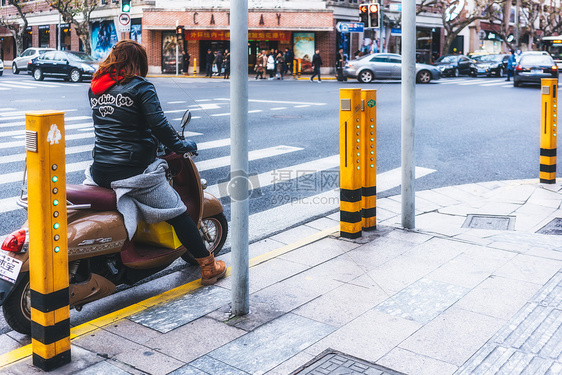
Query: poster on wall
[[303, 46], [136, 33], [104, 36], [169, 42]]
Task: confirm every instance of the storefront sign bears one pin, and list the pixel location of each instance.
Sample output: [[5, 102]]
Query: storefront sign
[[225, 35]]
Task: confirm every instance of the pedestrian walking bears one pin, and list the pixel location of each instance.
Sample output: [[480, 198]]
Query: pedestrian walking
[[271, 64], [217, 63], [226, 64], [316, 64], [340, 63], [510, 65], [186, 63], [288, 60], [209, 63], [259, 67], [280, 65]]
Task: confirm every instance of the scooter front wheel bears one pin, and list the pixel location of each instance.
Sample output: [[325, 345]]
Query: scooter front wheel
[[213, 231], [17, 307]]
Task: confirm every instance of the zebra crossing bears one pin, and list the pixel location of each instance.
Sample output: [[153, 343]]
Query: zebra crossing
[[10, 84], [472, 81], [313, 184]]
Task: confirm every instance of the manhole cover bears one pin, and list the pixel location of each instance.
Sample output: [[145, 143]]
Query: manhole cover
[[332, 362], [493, 222], [554, 227], [286, 116]]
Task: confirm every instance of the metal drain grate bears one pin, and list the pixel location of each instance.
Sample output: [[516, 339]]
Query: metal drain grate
[[492, 222], [554, 227], [332, 362]]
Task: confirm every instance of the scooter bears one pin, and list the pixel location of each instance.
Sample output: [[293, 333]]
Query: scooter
[[100, 256]]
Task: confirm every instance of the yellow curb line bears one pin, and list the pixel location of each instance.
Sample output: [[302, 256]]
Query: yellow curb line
[[93, 325]]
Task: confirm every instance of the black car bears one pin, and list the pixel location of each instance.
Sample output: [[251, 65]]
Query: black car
[[534, 66], [489, 65], [69, 65], [453, 65]]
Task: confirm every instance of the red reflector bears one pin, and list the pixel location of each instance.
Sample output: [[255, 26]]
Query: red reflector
[[14, 241], [519, 67]]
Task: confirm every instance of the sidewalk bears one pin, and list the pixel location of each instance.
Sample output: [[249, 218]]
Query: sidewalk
[[473, 290]]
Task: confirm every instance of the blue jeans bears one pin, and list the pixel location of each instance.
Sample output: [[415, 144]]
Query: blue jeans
[[316, 73]]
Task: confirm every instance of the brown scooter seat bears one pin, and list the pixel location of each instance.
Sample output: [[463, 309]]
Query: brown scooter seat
[[100, 199]]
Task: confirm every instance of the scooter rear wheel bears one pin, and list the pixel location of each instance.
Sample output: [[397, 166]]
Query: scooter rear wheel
[[17, 308], [217, 230]]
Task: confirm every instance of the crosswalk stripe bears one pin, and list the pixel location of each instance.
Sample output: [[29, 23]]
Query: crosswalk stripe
[[15, 86], [72, 137], [33, 84], [451, 81], [252, 155], [66, 127], [473, 82], [7, 109], [271, 177], [503, 82], [22, 123], [270, 221], [275, 101], [21, 115]]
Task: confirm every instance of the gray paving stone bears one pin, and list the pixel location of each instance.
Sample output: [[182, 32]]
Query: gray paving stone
[[332, 362], [258, 352], [169, 316], [103, 368], [423, 300], [209, 365]]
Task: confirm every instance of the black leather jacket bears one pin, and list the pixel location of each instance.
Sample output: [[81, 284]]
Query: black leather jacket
[[128, 123]]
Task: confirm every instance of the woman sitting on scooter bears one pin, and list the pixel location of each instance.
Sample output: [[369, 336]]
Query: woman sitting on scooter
[[128, 124]]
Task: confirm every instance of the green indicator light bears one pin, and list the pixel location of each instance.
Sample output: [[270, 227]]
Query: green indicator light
[[357, 168], [372, 152], [57, 249], [357, 154], [55, 178], [372, 139], [56, 202], [56, 226], [357, 141], [371, 165], [372, 126], [357, 126]]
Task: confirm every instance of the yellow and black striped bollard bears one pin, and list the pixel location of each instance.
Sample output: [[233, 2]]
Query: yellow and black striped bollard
[[350, 163], [549, 111], [48, 244], [369, 158]]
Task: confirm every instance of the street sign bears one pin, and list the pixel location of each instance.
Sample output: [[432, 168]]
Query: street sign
[[395, 31], [395, 7], [124, 24], [350, 27]]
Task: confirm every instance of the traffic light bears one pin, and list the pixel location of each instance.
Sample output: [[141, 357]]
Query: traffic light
[[374, 15], [364, 14], [179, 31], [125, 6]]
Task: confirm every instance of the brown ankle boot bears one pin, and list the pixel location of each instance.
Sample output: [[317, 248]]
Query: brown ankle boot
[[211, 271]]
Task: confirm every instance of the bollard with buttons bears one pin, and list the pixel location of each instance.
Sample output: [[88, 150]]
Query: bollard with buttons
[[549, 113], [48, 248], [369, 158]]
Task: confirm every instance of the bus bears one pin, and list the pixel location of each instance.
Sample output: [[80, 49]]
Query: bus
[[553, 45]]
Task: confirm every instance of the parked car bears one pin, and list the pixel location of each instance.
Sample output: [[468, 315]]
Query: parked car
[[453, 65], [1, 67], [489, 65], [69, 65], [20, 63], [386, 66], [533, 66]]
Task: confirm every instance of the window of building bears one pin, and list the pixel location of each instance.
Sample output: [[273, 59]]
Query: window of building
[[44, 36]]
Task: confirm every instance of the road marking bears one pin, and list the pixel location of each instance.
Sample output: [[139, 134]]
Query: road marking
[[278, 108], [33, 84], [503, 82], [14, 86], [88, 148], [275, 101], [475, 82], [22, 115], [178, 102], [224, 161], [255, 111], [302, 106], [272, 177], [66, 127], [7, 109], [265, 223], [451, 82]]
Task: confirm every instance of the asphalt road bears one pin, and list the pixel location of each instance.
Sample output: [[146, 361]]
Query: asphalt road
[[467, 130]]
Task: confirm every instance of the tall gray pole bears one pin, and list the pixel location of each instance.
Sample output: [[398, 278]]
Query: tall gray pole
[[239, 155], [408, 112]]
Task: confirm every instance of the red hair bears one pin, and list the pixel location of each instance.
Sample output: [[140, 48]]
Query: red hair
[[128, 58]]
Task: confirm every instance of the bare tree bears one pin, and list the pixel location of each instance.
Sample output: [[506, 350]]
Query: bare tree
[[456, 17], [16, 23], [79, 13], [550, 18]]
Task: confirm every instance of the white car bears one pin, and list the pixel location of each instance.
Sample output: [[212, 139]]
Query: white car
[[20, 62], [1, 67]]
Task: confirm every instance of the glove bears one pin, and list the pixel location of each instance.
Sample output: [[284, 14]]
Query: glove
[[188, 145]]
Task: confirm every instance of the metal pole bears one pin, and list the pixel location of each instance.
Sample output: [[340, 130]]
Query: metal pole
[[177, 49], [59, 47], [517, 25], [408, 112], [238, 185]]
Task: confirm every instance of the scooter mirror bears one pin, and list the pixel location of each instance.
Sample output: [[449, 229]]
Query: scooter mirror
[[185, 120]]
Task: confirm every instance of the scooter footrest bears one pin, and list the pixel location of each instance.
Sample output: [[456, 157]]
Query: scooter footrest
[[144, 256]]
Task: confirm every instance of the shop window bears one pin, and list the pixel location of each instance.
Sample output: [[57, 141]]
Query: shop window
[[44, 36]]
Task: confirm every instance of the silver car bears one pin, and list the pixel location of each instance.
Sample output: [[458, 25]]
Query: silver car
[[20, 62], [386, 66]]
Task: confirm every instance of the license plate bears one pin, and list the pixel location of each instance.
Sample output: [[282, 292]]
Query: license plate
[[536, 71], [481, 71], [9, 268]]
